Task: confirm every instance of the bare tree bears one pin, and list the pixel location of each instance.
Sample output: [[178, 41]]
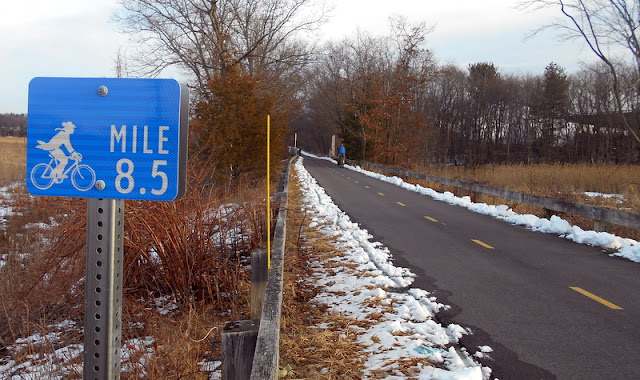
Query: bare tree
[[205, 37], [609, 28], [366, 89], [121, 65]]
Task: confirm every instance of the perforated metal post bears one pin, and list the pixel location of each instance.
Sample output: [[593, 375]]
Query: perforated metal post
[[103, 292]]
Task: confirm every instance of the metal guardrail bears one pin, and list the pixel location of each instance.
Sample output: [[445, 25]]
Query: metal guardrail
[[602, 216], [266, 356]]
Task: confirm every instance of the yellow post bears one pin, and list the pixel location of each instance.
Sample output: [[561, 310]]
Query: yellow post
[[268, 193]]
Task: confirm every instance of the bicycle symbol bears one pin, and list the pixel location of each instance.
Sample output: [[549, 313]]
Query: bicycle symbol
[[83, 177]]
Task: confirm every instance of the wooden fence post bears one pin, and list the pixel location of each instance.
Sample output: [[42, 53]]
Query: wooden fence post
[[238, 347], [259, 273]]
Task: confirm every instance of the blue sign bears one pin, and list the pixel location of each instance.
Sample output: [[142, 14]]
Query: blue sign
[[110, 138]]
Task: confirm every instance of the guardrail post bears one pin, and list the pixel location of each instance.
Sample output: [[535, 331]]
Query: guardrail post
[[601, 226], [259, 271], [238, 347]]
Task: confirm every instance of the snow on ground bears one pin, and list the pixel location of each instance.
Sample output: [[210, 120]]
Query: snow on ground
[[6, 203], [364, 281], [45, 354], [593, 194], [36, 366], [407, 327], [627, 248]]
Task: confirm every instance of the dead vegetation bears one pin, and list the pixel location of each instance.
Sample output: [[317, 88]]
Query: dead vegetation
[[567, 182], [313, 352], [316, 343], [13, 151], [184, 277], [563, 181]]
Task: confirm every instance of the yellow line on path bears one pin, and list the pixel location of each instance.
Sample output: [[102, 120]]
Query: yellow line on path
[[482, 244], [367, 187], [431, 219], [401, 204], [357, 182], [380, 194], [596, 298]]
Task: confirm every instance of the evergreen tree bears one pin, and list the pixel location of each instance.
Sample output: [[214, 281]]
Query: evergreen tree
[[229, 130]]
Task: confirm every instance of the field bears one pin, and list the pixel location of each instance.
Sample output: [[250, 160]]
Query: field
[[179, 249], [13, 152], [605, 185], [184, 263], [562, 181]]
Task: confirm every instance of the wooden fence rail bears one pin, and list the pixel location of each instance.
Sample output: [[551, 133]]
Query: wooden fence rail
[[602, 217], [251, 347], [266, 357]]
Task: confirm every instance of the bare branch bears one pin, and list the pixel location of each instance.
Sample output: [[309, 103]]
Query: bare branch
[[603, 25], [205, 37]]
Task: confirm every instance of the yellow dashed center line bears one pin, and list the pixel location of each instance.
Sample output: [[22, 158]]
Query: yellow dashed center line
[[431, 219], [482, 244], [596, 298], [367, 187], [357, 182], [401, 204], [381, 194]]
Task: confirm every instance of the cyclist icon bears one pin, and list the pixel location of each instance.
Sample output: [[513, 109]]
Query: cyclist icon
[[43, 176]]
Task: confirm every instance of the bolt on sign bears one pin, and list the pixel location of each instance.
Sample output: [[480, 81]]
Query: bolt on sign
[[107, 138]]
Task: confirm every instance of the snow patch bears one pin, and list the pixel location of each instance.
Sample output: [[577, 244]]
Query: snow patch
[[405, 326]]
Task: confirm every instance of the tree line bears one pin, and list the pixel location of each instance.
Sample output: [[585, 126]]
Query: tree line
[[385, 96], [13, 125], [390, 102]]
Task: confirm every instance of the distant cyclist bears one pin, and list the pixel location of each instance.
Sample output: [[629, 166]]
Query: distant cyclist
[[342, 155]]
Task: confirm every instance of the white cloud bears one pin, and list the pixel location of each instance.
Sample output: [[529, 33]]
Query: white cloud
[[44, 38], [75, 37], [466, 31]]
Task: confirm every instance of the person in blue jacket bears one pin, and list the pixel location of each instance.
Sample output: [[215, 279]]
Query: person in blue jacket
[[342, 154]]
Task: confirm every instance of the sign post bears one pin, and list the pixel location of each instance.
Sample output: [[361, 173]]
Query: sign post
[[108, 140], [103, 289]]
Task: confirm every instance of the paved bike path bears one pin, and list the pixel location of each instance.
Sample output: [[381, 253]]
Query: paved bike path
[[525, 294]]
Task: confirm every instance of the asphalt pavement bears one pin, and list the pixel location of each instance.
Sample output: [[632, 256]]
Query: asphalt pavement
[[550, 308]]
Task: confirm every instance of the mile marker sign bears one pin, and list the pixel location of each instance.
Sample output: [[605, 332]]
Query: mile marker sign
[[107, 138]]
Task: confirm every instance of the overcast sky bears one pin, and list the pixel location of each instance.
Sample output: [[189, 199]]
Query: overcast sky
[[74, 38]]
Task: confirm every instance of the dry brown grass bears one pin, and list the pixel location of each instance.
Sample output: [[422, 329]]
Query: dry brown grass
[[180, 342], [182, 249], [562, 181], [334, 351], [13, 152], [39, 285], [552, 180]]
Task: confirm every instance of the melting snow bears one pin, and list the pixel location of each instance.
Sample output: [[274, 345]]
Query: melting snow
[[406, 327], [627, 248]]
